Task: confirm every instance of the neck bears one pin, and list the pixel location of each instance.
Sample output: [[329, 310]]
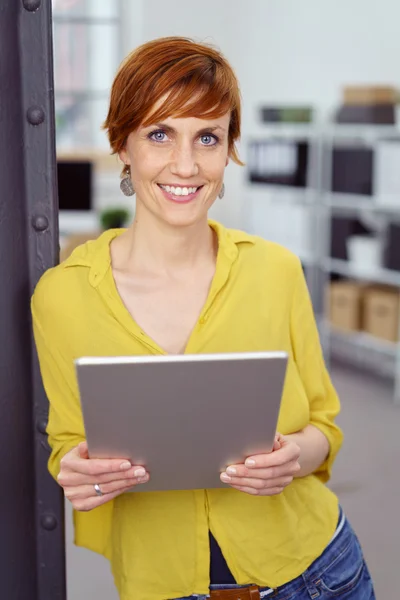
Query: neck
[[156, 246]]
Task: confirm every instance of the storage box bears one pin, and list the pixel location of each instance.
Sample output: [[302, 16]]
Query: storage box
[[368, 94], [352, 169], [344, 300], [368, 114], [386, 176], [365, 252], [342, 228], [392, 250], [381, 313]]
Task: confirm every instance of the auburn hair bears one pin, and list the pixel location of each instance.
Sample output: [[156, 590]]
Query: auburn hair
[[198, 79]]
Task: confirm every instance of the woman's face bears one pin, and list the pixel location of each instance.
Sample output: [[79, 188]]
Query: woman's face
[[177, 167]]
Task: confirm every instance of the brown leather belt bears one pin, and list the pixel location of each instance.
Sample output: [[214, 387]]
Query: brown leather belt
[[248, 593]]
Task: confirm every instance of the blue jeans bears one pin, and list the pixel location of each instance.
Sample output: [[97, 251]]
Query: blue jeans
[[340, 572]]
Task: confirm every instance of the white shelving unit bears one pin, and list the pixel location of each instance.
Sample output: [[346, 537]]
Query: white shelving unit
[[362, 349], [347, 269], [357, 348], [272, 210]]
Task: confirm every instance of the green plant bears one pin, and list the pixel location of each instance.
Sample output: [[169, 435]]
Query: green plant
[[114, 218]]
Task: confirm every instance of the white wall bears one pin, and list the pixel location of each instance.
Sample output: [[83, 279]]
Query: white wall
[[305, 51]]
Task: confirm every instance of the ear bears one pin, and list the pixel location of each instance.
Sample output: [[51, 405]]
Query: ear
[[123, 155]]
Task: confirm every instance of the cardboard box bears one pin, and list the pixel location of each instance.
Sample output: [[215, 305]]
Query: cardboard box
[[372, 114], [361, 94], [381, 313], [345, 305]]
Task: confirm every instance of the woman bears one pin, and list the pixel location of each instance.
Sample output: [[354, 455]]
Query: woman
[[175, 282]]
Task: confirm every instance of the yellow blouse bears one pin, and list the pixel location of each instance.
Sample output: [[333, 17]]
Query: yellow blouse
[[158, 541]]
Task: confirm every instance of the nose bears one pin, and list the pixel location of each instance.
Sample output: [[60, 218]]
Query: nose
[[184, 162]]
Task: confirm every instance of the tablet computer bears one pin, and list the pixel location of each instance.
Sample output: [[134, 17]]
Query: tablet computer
[[185, 418]]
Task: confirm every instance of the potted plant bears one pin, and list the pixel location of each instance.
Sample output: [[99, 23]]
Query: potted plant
[[114, 218]]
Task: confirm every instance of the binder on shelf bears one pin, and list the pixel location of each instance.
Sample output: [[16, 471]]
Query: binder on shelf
[[387, 173], [279, 162], [352, 170], [392, 250], [287, 114]]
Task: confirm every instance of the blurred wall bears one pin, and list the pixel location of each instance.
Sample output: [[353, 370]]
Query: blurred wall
[[283, 51], [305, 51]]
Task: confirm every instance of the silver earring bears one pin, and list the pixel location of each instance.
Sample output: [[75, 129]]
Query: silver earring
[[126, 183], [222, 192]]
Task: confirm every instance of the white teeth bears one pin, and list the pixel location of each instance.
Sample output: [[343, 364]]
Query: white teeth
[[178, 191]]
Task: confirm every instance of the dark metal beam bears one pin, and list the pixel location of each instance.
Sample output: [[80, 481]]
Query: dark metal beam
[[32, 565]]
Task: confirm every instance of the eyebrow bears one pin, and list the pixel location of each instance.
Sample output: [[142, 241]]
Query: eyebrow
[[211, 129]]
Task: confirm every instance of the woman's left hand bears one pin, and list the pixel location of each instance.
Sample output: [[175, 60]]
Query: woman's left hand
[[266, 474]]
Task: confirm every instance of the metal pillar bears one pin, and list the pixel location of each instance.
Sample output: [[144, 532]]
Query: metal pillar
[[32, 563]]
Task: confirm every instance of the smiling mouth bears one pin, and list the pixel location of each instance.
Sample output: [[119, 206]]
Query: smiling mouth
[[180, 191]]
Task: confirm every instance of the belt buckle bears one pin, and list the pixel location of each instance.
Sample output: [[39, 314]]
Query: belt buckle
[[247, 593]]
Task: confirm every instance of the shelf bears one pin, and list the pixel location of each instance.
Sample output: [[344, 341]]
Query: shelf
[[362, 130], [357, 202], [291, 130], [361, 339], [361, 349], [278, 189], [343, 267]]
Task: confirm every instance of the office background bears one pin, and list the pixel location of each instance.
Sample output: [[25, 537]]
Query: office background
[[321, 142]]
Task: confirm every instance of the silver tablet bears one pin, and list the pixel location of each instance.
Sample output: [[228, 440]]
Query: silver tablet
[[184, 418]]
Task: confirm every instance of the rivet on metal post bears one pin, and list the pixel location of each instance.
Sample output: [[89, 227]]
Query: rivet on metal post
[[40, 223], [35, 115], [31, 5], [48, 522], [41, 425]]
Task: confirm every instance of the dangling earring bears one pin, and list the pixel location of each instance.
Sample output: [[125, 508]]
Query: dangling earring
[[222, 192], [126, 183]]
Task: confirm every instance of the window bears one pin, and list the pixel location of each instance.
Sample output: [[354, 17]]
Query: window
[[87, 52]]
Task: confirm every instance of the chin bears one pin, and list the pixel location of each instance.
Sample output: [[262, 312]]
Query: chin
[[183, 218]]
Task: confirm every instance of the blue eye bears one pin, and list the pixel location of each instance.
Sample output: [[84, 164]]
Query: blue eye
[[158, 136], [209, 140]]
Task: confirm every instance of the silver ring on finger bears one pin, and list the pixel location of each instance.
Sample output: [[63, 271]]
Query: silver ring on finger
[[97, 489]]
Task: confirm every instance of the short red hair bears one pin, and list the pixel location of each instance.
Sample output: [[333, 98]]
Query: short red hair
[[199, 80]]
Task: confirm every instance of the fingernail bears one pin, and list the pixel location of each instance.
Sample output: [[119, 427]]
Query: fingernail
[[231, 471], [225, 477], [140, 472], [250, 462], [125, 466], [143, 479]]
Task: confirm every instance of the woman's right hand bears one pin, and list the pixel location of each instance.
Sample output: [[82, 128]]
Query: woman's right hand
[[79, 474]]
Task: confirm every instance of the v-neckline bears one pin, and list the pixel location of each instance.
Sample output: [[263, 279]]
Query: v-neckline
[[109, 291]]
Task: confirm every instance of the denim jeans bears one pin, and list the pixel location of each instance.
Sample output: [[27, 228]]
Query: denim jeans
[[340, 572]]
